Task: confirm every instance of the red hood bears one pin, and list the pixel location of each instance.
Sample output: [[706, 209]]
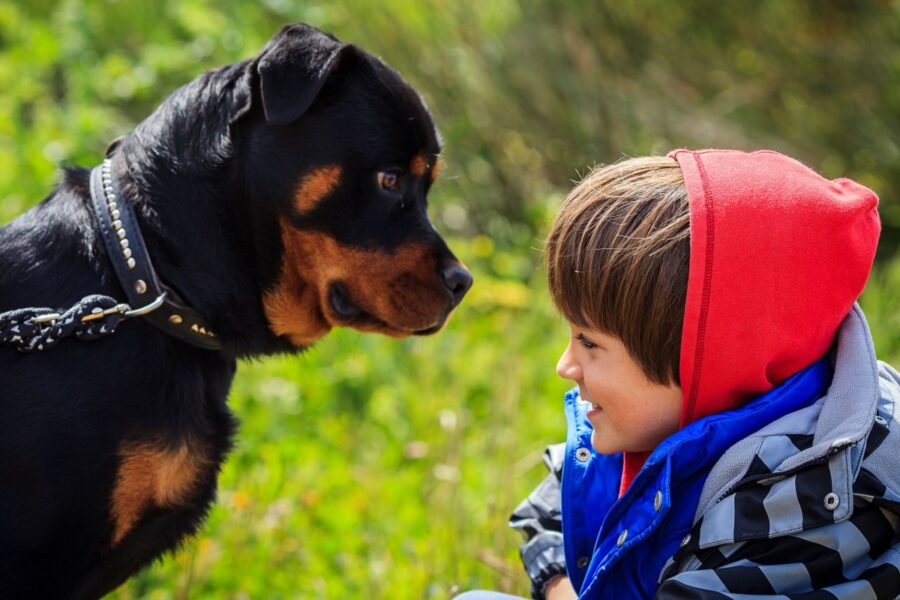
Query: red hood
[[779, 255]]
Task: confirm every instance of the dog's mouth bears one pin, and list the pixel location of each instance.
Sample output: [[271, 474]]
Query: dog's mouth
[[344, 311], [342, 306], [432, 329]]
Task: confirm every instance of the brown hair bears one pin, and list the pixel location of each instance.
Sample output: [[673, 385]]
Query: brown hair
[[618, 257]]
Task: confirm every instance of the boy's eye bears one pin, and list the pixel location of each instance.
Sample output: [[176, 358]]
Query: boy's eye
[[585, 342]]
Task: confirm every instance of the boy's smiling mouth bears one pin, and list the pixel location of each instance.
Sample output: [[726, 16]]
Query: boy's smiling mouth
[[593, 405]]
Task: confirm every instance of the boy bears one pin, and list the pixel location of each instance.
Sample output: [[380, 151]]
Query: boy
[[732, 434]]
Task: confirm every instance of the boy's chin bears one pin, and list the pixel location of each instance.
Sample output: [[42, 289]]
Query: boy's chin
[[608, 445], [603, 444]]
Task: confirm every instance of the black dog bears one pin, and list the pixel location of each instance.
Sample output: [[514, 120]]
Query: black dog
[[277, 197]]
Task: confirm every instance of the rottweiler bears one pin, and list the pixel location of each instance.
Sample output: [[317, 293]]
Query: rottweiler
[[275, 198]]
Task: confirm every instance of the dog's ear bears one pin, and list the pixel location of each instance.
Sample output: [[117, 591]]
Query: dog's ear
[[292, 69], [113, 145]]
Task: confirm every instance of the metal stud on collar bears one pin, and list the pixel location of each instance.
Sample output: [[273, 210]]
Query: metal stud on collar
[[110, 196], [202, 330]]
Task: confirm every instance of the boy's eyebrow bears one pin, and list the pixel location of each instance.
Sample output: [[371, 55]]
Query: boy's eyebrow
[[600, 342], [581, 337]]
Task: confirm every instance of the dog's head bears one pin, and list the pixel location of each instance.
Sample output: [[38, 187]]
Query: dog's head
[[347, 151], [343, 153]]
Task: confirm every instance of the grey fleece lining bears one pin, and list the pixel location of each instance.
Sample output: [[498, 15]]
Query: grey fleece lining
[[844, 416]]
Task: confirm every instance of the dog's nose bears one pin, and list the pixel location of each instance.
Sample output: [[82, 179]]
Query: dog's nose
[[458, 280]]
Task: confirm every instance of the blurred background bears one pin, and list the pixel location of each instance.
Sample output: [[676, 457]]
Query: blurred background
[[372, 468]]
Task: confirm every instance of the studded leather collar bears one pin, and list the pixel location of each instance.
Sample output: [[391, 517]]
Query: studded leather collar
[[131, 262]]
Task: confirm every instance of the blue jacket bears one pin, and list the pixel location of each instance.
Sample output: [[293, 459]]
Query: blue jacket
[[707, 514], [642, 530]]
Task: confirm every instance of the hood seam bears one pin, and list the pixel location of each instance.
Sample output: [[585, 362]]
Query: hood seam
[[704, 301]]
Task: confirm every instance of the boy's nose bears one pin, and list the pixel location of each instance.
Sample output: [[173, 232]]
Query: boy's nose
[[566, 367]]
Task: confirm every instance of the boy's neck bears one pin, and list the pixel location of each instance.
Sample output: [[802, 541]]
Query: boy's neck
[[631, 465]]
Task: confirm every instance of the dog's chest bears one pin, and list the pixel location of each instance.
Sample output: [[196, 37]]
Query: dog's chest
[[171, 466], [157, 477]]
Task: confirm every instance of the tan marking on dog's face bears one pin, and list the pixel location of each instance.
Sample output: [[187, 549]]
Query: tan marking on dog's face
[[292, 307], [401, 291], [315, 185], [153, 475], [418, 165], [436, 169]]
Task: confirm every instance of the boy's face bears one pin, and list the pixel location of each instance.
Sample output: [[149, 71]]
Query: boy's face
[[630, 413]]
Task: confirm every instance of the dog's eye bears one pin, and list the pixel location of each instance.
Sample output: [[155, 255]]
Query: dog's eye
[[389, 180]]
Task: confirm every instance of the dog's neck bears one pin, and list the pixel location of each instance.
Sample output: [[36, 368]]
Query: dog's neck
[[189, 198]]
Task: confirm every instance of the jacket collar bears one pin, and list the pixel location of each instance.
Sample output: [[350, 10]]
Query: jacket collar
[[840, 419], [798, 471]]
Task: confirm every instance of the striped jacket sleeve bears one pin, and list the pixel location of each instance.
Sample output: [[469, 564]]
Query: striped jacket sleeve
[[539, 518], [855, 558]]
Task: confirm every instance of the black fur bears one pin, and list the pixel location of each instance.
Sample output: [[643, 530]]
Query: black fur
[[212, 173]]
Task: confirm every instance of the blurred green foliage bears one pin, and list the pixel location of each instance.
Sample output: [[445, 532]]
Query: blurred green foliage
[[372, 468]]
